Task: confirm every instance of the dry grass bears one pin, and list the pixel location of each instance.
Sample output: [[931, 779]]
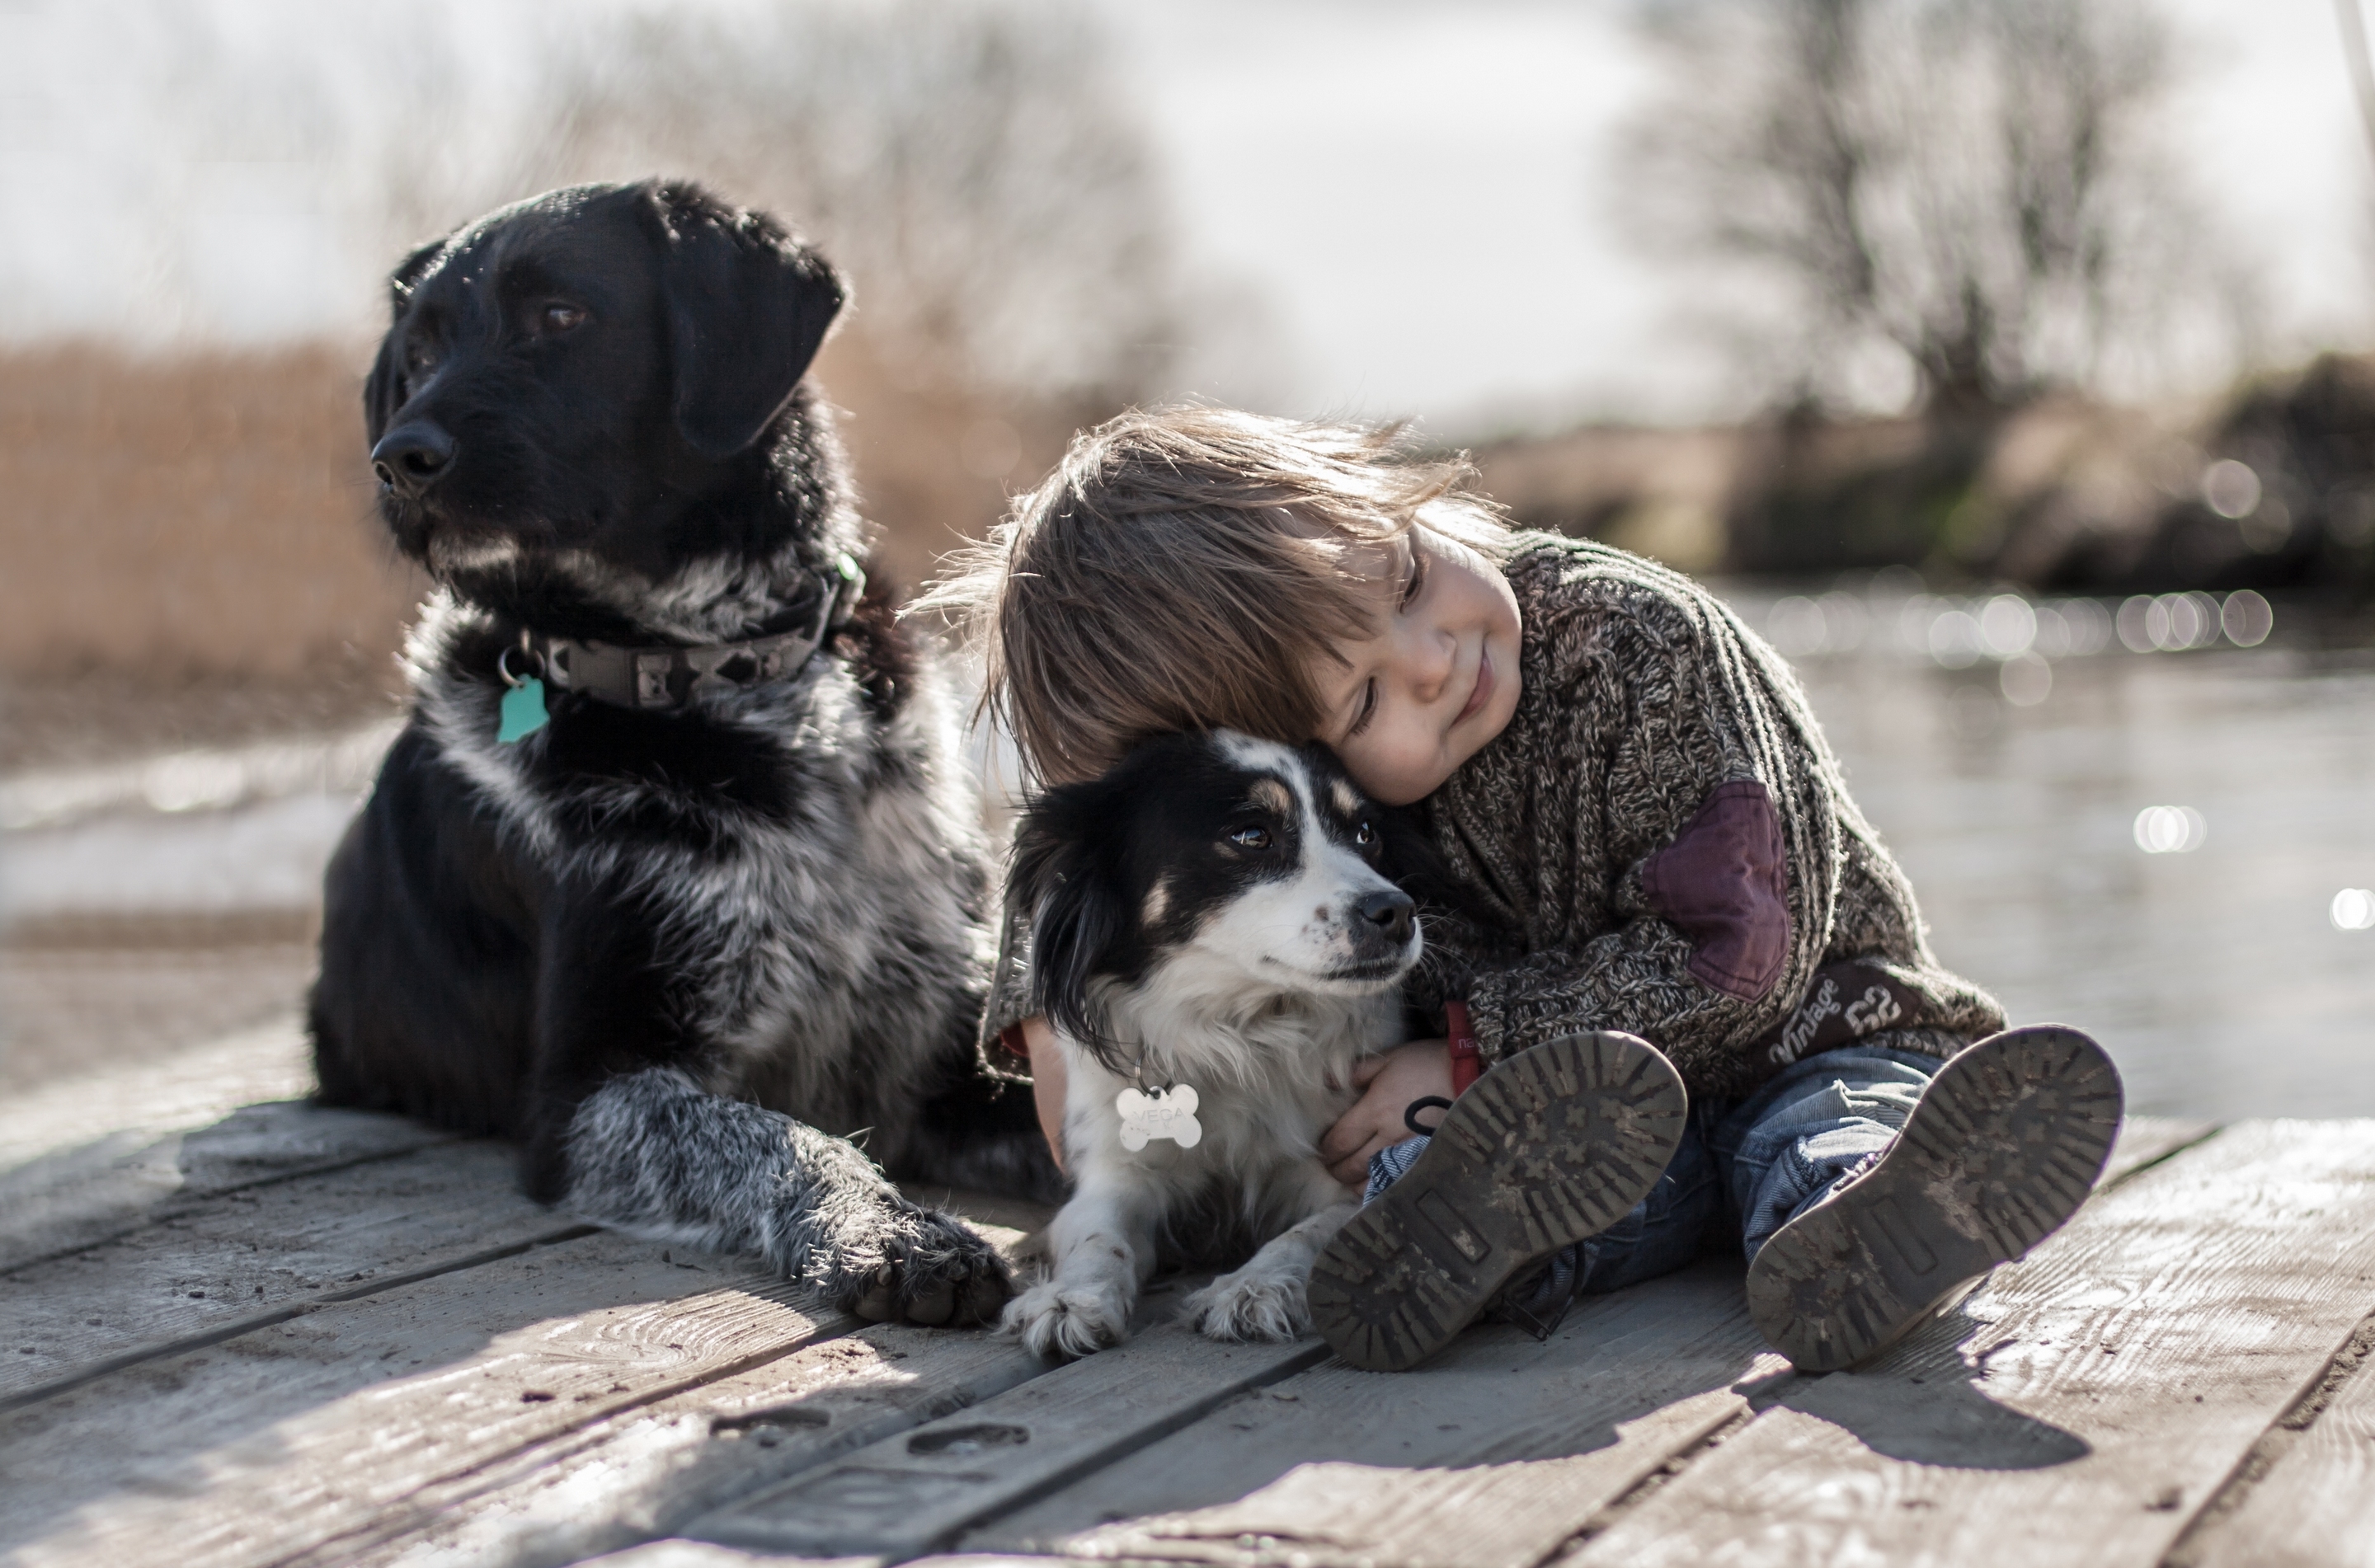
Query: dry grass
[[207, 517], [206, 513]]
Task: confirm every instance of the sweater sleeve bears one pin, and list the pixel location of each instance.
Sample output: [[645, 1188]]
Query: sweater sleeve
[[1699, 899]]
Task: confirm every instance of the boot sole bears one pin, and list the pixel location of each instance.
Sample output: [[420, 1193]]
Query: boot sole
[[1557, 1144], [2001, 1149]]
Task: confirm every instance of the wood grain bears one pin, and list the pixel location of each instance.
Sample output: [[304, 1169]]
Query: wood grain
[[646, 1472], [2315, 1505], [2080, 1409], [86, 1159], [1496, 1452], [241, 1259], [287, 1439], [913, 1493], [2143, 1139]]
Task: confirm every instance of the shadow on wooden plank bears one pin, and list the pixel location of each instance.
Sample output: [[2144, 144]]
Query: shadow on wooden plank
[[648, 1473], [1496, 1451], [2164, 1330], [273, 1443], [88, 1160], [214, 1268]]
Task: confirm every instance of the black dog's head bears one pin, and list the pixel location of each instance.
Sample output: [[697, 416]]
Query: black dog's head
[[1216, 865], [600, 379]]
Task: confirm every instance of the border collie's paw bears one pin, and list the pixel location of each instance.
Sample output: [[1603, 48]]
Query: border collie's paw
[[1055, 1320], [932, 1270], [1250, 1304]]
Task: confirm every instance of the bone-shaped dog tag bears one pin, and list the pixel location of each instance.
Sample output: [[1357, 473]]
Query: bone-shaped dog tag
[[1159, 1113]]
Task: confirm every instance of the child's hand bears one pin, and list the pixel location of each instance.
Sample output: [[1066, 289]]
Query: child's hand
[[1389, 1083]]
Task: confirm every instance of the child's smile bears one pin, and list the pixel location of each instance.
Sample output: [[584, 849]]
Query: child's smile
[[1440, 679]]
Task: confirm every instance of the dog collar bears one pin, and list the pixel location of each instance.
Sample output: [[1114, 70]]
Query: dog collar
[[659, 679]]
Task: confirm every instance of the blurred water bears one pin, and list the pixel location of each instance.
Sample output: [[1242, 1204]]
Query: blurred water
[[2009, 783], [2215, 974]]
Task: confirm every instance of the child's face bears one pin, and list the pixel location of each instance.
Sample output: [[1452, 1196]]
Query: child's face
[[1437, 680]]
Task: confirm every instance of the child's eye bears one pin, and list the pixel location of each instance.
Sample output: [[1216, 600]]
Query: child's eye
[[1417, 578], [1368, 710]]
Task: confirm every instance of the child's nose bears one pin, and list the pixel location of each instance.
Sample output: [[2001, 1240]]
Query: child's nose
[[1430, 661]]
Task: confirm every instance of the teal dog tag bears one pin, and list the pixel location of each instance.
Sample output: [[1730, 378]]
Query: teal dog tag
[[523, 712]]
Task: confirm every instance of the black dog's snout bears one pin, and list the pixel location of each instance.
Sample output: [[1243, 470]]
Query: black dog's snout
[[1389, 914], [413, 457]]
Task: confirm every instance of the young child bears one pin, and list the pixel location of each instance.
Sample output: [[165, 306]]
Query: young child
[[1644, 832]]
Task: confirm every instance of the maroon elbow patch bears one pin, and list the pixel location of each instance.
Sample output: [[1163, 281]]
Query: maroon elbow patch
[[1721, 884]]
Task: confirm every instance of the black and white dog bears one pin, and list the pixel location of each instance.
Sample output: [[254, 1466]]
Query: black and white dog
[[1215, 942], [675, 873]]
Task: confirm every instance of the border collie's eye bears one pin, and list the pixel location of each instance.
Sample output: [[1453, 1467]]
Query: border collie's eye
[[559, 317], [1365, 835], [1250, 837]]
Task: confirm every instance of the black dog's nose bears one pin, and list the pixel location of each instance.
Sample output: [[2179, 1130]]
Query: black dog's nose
[[1389, 913], [413, 457]]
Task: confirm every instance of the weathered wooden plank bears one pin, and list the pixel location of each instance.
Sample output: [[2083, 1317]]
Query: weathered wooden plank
[[85, 1159], [2143, 1139], [243, 1260], [275, 1442], [187, 1090], [1496, 1451], [913, 1493], [2080, 1409], [646, 1472], [642, 1473], [2315, 1506]]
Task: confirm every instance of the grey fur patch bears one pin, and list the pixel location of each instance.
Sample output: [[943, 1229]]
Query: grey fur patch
[[653, 1155]]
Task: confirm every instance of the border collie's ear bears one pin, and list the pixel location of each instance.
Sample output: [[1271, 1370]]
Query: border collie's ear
[[1063, 874], [383, 388], [746, 308]]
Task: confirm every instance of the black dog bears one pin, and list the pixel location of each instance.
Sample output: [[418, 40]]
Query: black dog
[[678, 829]]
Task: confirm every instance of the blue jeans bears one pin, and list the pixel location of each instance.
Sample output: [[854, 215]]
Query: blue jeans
[[1743, 1168]]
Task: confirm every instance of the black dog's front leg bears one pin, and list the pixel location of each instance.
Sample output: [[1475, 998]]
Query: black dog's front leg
[[624, 1135], [653, 1154]]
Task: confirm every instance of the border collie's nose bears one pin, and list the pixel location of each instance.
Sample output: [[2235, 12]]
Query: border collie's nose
[[413, 457], [1389, 913]]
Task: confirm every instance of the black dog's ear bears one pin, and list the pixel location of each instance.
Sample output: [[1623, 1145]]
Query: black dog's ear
[[1063, 873], [746, 308], [383, 388]]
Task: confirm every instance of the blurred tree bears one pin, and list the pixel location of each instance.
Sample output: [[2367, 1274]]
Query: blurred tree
[[1956, 204], [966, 162]]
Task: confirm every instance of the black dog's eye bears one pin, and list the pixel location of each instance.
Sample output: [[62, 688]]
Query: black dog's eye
[[1250, 837], [1365, 835], [420, 357], [559, 317]]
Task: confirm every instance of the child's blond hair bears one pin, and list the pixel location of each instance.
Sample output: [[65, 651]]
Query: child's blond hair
[[1183, 569]]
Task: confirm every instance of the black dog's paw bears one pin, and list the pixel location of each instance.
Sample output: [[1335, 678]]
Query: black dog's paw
[[930, 1269]]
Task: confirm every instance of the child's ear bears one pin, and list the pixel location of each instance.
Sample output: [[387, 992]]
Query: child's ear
[[1063, 874]]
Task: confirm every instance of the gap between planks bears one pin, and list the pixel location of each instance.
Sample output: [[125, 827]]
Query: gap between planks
[[2305, 1494]]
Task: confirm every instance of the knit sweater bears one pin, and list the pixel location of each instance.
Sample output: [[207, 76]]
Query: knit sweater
[[1660, 842]]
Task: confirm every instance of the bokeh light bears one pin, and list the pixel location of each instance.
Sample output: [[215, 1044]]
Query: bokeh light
[[2025, 680], [2170, 830], [2353, 910]]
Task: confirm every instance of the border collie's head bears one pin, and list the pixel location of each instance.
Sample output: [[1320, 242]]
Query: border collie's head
[[1240, 867]]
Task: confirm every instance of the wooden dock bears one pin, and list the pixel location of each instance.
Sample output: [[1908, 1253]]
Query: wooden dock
[[241, 1330]]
